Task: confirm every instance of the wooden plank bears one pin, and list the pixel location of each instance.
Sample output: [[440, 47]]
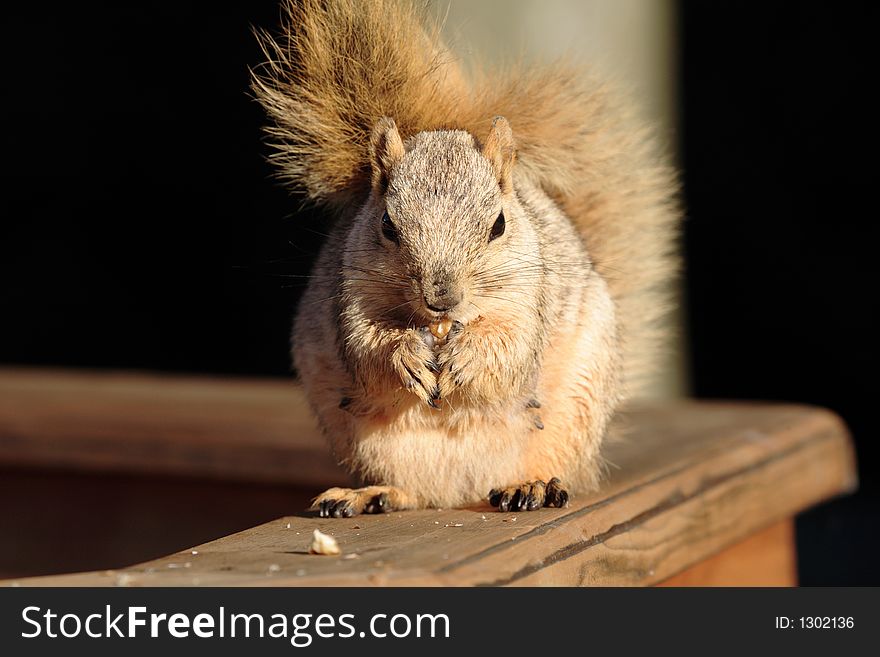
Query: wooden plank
[[768, 558], [115, 520], [689, 480], [258, 430]]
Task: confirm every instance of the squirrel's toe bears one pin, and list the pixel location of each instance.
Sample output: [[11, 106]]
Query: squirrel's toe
[[556, 495]]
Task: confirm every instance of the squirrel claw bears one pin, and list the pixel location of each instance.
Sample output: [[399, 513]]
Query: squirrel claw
[[378, 504]]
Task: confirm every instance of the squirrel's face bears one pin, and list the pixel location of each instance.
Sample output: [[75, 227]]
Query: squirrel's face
[[443, 234]]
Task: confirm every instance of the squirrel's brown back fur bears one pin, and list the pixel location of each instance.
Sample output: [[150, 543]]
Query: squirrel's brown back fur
[[338, 67]]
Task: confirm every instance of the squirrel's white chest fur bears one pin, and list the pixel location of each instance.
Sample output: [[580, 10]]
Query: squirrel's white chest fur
[[445, 466]]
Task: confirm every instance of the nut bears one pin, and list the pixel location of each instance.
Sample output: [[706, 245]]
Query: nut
[[324, 544], [440, 329]]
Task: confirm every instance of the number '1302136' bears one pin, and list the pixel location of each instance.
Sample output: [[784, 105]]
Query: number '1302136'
[[815, 622]]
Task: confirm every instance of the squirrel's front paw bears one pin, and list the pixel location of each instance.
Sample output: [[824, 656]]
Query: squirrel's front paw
[[457, 361], [413, 361]]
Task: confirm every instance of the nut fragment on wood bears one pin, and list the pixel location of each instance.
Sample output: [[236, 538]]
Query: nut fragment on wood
[[324, 544]]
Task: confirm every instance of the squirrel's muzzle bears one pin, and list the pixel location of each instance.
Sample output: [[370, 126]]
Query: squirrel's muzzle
[[441, 296]]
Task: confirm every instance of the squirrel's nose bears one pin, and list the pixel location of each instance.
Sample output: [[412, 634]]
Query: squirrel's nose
[[440, 298]]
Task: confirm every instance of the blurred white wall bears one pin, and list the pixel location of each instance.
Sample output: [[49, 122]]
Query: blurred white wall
[[630, 41]]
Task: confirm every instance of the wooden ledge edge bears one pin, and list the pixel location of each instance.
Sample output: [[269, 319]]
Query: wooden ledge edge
[[637, 532]]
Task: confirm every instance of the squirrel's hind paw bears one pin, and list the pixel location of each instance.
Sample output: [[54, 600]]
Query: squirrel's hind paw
[[529, 496], [348, 502]]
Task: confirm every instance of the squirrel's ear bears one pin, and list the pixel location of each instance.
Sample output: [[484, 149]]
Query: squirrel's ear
[[500, 150], [386, 150]]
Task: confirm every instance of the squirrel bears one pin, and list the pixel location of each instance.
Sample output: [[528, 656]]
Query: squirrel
[[500, 253]]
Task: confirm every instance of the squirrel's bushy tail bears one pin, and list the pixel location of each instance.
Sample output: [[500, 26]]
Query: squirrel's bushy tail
[[339, 66], [336, 69]]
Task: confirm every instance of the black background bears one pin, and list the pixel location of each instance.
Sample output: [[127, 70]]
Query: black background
[[141, 227], [779, 154]]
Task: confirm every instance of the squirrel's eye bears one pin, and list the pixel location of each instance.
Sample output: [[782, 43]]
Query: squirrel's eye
[[389, 230], [497, 228]]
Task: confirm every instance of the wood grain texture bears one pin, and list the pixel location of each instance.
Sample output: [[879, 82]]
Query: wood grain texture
[[767, 558], [688, 480], [257, 430]]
